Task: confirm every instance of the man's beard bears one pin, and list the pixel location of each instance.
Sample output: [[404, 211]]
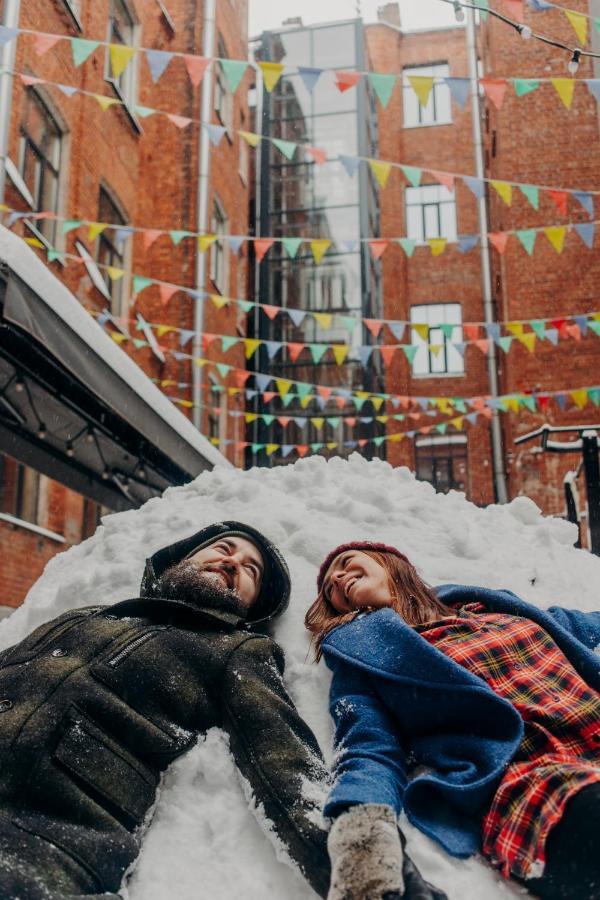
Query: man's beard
[[196, 586]]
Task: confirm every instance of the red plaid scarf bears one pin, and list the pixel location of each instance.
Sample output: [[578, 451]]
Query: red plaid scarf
[[560, 751]]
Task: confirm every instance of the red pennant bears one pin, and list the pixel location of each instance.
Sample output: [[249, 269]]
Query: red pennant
[[515, 10], [270, 311], [387, 354], [283, 420], [166, 292], [268, 395], [350, 421], [444, 178], [324, 392], [301, 450], [150, 235], [374, 326], [30, 80], [477, 403], [486, 412], [560, 198], [484, 345], [378, 248], [499, 240], [495, 89], [426, 429], [207, 340], [560, 325], [543, 402], [262, 246], [241, 376], [362, 442], [574, 331], [340, 401], [196, 67], [346, 80], [295, 350], [319, 155], [471, 331], [404, 402]]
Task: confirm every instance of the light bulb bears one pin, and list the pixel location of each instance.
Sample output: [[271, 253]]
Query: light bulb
[[526, 32], [70, 449], [19, 386], [573, 65], [142, 473], [90, 436], [459, 12], [41, 432], [106, 474]]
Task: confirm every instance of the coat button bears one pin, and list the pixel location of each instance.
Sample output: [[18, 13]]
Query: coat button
[[5, 705], [60, 652]]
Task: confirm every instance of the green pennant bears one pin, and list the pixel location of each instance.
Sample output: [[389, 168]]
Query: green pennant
[[256, 448], [504, 404], [233, 70], [525, 86], [245, 305], [291, 246], [53, 255], [447, 331], [144, 111], [597, 24], [442, 427], [138, 343], [383, 85], [347, 322], [483, 7], [178, 236], [268, 418], [505, 342], [359, 402], [595, 326], [529, 403], [333, 422], [288, 148], [527, 237], [399, 418], [139, 283], [287, 400], [81, 49], [316, 447], [228, 342], [532, 193], [378, 441], [410, 351], [70, 225], [303, 389], [408, 245], [413, 174], [318, 351], [458, 404], [223, 369], [539, 327], [594, 393]]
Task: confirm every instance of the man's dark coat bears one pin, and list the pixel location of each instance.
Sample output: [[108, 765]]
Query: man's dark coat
[[95, 705]]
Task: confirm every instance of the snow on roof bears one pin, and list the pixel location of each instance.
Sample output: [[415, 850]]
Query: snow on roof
[[22, 260], [203, 832]]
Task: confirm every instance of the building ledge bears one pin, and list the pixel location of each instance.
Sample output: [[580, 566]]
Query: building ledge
[[29, 526]]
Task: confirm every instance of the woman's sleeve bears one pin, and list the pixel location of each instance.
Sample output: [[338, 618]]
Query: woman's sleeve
[[583, 626], [370, 763]]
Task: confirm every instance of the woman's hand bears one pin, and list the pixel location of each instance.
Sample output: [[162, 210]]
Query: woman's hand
[[366, 854]]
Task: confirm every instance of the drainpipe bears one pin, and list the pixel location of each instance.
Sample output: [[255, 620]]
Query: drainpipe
[[202, 204], [7, 64], [486, 275]]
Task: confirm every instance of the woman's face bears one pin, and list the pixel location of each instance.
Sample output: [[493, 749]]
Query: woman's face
[[354, 580]]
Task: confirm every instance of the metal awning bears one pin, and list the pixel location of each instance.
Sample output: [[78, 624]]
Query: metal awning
[[73, 405]]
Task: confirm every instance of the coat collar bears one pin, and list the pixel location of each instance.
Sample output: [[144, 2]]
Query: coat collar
[[219, 619]]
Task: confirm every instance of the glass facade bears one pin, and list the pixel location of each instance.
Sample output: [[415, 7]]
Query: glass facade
[[299, 198]]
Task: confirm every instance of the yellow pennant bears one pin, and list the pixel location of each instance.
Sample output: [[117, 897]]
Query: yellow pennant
[[205, 241], [579, 25], [219, 301], [306, 400], [395, 438], [435, 348], [438, 245], [120, 57], [250, 138], [382, 419], [34, 242], [318, 423], [271, 448], [164, 329], [512, 403], [422, 331], [118, 338], [458, 422], [565, 88], [377, 403], [200, 362], [271, 73], [249, 418], [105, 102], [324, 320], [556, 236], [444, 405], [331, 445], [381, 171], [515, 328], [504, 190], [283, 386], [528, 340], [114, 274], [580, 398], [422, 85], [251, 346], [362, 395], [340, 352], [234, 391], [187, 403], [319, 249], [95, 229], [214, 441]]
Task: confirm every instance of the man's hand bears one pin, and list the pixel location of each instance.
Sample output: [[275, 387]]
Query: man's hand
[[366, 854]]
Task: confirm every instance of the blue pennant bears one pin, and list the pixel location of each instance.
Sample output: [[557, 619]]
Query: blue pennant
[[309, 77], [235, 242], [587, 201], [262, 381], [273, 347], [365, 355], [350, 163], [466, 242], [474, 184], [459, 88], [397, 329], [586, 233], [582, 321], [215, 133], [552, 335], [594, 87], [297, 316], [158, 60], [493, 331]]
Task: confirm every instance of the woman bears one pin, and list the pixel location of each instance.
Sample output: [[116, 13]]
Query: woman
[[497, 701]]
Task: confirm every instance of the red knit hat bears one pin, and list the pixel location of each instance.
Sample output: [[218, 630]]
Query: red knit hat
[[355, 545]]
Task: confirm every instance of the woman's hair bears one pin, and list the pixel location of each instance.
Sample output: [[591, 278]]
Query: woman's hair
[[414, 601]]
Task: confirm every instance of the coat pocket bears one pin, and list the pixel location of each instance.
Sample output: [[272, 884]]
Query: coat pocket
[[106, 770]]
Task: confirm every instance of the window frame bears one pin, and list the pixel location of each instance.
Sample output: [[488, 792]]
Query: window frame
[[445, 442], [126, 85], [424, 205], [421, 313], [223, 97], [434, 99], [218, 250], [73, 7], [116, 290]]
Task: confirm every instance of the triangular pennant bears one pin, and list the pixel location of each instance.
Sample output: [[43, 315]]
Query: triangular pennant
[[552, 335], [223, 369], [475, 185], [539, 327], [81, 49], [471, 331], [374, 326], [565, 88], [105, 102], [459, 89], [185, 335], [556, 236], [216, 133], [251, 345], [150, 235], [580, 398], [219, 301], [408, 245], [271, 72], [381, 171], [178, 236], [377, 248], [437, 245], [95, 229], [593, 85], [445, 178], [180, 122], [144, 111], [319, 248], [283, 386], [270, 311], [309, 76], [196, 67], [120, 57], [233, 70], [422, 330], [347, 322], [528, 340], [410, 351], [340, 352], [157, 60], [350, 164], [167, 291], [114, 273], [483, 345], [467, 242], [495, 90], [67, 89], [252, 139], [531, 193], [235, 241], [422, 85], [319, 155], [323, 320], [31, 80], [586, 200], [499, 240], [140, 283], [228, 342], [579, 25], [205, 241], [346, 80], [387, 353], [397, 329], [586, 233], [291, 246], [288, 148], [412, 174], [296, 315], [318, 351], [383, 85], [527, 237], [525, 86], [504, 190], [70, 225], [560, 199]]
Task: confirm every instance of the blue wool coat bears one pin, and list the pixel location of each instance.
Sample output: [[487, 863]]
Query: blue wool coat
[[398, 702]]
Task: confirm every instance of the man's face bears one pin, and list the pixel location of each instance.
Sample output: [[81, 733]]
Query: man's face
[[235, 564]]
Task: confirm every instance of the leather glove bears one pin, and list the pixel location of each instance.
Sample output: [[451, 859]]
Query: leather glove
[[366, 854]]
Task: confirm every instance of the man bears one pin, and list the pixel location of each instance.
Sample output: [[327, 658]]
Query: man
[[95, 705]]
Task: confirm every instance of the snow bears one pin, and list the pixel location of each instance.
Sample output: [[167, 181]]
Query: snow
[[204, 832], [22, 260]]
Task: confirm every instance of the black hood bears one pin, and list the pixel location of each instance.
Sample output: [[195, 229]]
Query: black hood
[[275, 589]]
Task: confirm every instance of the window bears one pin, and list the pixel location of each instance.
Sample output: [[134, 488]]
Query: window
[[244, 158], [23, 491], [40, 155], [436, 354], [442, 461], [90, 517], [430, 213], [438, 110], [122, 30], [74, 8], [110, 251], [223, 96], [218, 258]]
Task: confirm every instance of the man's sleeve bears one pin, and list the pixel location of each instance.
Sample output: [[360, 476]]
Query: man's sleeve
[[277, 754], [583, 626]]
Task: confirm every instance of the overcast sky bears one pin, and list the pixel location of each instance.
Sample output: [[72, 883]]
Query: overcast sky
[[266, 14]]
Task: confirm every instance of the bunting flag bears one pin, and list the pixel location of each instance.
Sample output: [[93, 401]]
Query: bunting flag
[[495, 90], [157, 60], [346, 80], [82, 49], [579, 23], [310, 77], [319, 248], [383, 85], [233, 70], [565, 88], [196, 66], [271, 74], [381, 171], [422, 85], [120, 57]]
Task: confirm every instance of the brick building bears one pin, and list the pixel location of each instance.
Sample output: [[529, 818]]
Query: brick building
[[67, 156], [532, 140]]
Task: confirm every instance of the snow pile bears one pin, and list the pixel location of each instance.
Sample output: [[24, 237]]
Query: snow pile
[[204, 836]]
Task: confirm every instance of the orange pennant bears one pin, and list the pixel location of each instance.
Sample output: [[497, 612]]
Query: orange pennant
[[495, 90], [499, 240], [262, 246], [346, 80]]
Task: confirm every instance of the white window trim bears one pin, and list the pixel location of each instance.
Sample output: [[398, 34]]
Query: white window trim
[[224, 287], [93, 270], [441, 440], [423, 243], [429, 375], [74, 12], [127, 257], [129, 103], [406, 86], [29, 526], [15, 176]]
